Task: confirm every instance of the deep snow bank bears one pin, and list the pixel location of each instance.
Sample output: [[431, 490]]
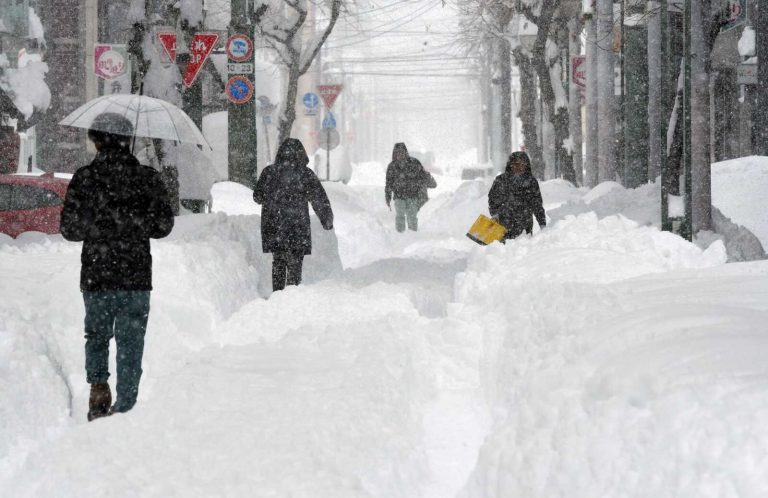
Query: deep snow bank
[[643, 204], [629, 363], [205, 270]]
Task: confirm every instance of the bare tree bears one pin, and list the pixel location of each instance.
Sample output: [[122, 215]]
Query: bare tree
[[282, 27]]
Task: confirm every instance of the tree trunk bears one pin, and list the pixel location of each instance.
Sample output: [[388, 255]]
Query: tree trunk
[[505, 68], [574, 100], [528, 111], [590, 167], [289, 110], [606, 142]]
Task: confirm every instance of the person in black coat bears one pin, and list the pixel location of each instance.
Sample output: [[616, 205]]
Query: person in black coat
[[114, 206], [515, 197], [407, 182], [285, 189]]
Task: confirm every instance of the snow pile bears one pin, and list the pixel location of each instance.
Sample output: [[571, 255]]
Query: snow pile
[[735, 188], [210, 266], [26, 86], [746, 43], [598, 357], [36, 30], [613, 376], [738, 187]]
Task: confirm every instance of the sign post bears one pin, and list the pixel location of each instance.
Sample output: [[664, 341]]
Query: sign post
[[112, 64], [241, 109], [329, 94]]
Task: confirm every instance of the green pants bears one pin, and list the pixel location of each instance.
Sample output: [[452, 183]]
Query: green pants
[[406, 210], [122, 315]]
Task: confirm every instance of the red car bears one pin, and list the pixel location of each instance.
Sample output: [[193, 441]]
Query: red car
[[31, 203]]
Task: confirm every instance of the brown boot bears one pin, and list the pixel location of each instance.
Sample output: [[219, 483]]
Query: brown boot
[[101, 400]]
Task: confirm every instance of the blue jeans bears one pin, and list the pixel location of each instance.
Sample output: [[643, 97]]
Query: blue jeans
[[122, 315], [406, 210]]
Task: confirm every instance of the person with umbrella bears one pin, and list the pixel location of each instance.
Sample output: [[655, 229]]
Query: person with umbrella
[[285, 189], [115, 206]]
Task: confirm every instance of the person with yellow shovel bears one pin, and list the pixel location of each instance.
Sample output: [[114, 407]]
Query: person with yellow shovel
[[515, 197], [513, 201]]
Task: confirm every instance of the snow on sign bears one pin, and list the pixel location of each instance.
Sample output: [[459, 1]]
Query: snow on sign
[[168, 41], [239, 47], [199, 50], [239, 89], [579, 71], [329, 93], [110, 61]]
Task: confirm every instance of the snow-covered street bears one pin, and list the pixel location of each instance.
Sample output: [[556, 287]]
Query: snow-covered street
[[599, 357]]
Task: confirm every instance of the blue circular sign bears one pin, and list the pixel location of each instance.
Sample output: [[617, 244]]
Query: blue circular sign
[[311, 100], [239, 89]]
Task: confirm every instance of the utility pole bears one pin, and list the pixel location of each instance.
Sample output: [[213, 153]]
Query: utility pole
[[701, 158], [760, 125], [241, 119], [635, 131], [655, 82], [686, 230]]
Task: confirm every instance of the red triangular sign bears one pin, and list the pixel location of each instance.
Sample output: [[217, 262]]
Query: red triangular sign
[[168, 41], [199, 50], [329, 93]]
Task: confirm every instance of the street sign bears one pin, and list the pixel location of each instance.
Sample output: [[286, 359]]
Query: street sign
[[239, 47], [329, 121], [200, 48], [311, 103], [746, 74], [110, 61], [579, 71], [168, 41], [329, 93], [240, 68], [735, 14], [329, 139], [239, 89]]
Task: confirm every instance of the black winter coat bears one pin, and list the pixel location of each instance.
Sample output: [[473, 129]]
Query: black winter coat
[[515, 201], [115, 205], [407, 180], [284, 189]]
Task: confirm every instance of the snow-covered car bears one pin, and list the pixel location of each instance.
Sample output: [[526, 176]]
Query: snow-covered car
[[31, 203]]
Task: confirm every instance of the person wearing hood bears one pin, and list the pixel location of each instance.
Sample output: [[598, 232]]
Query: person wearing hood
[[285, 189], [115, 206], [406, 182], [515, 197]]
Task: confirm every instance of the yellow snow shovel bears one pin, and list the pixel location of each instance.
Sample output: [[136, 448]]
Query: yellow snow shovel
[[486, 230]]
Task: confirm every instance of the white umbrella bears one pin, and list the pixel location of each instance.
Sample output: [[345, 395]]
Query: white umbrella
[[153, 118]]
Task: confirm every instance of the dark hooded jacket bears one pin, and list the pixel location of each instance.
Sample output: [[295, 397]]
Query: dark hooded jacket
[[115, 205], [285, 189], [516, 199], [406, 177]]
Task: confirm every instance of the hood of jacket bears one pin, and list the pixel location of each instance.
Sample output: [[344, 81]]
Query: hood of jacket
[[292, 151], [399, 150], [519, 156]]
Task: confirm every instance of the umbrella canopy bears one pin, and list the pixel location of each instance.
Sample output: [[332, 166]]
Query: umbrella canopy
[[153, 118]]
